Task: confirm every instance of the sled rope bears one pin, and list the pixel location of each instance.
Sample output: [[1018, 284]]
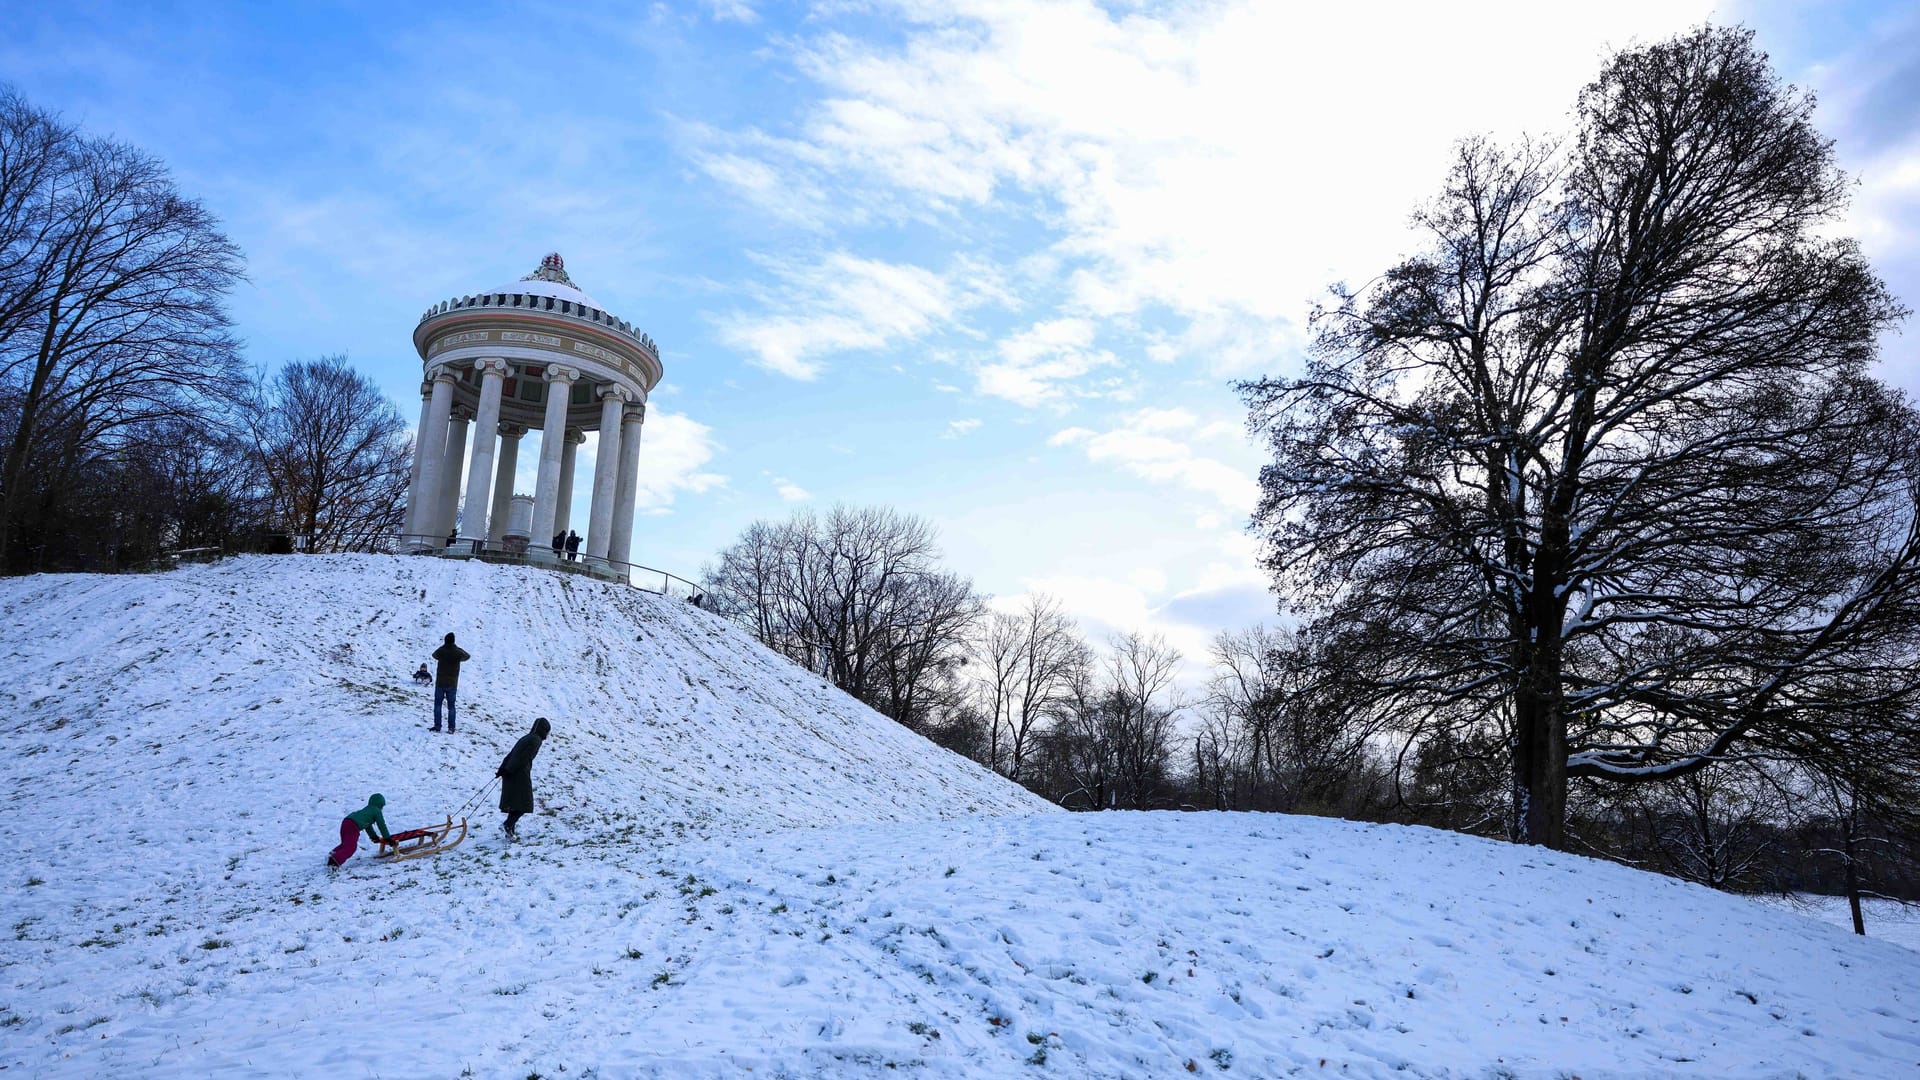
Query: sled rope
[[474, 803]]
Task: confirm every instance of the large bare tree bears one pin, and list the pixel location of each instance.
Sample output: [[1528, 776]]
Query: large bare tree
[[1604, 467], [857, 596], [112, 317], [335, 453]]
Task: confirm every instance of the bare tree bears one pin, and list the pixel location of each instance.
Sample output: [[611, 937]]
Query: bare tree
[[1026, 663], [1138, 719], [335, 453], [1605, 465], [1713, 827], [919, 665], [858, 597], [112, 288]]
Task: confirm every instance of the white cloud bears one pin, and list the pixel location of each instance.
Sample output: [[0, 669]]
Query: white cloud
[[674, 452], [1153, 444], [1035, 365], [957, 428], [788, 490], [840, 303], [1221, 162], [739, 11]]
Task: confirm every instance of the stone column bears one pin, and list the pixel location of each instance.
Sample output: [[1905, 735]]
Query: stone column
[[620, 546], [431, 449], [456, 449], [486, 427], [606, 472], [510, 434], [563, 517], [553, 437], [413, 479]]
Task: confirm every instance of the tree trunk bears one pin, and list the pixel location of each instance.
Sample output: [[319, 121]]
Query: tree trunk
[[1540, 755], [1853, 880]]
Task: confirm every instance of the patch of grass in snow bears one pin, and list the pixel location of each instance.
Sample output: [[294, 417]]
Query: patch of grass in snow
[[32, 881], [509, 991], [213, 943], [93, 1023], [664, 978], [778, 909], [1149, 977], [1222, 1058], [633, 953]]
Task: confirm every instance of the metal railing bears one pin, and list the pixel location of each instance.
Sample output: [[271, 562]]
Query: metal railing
[[519, 553]]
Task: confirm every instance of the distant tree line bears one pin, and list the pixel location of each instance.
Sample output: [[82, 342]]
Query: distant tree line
[[129, 422], [1284, 723]]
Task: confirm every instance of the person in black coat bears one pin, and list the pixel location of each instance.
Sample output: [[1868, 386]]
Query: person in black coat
[[516, 774]]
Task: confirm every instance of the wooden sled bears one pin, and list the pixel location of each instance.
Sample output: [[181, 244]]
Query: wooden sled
[[415, 843]]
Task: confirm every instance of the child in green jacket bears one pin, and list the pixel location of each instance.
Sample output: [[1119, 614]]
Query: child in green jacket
[[367, 817]]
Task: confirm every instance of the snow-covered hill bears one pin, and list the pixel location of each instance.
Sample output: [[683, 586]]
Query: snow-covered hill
[[271, 693], [739, 869]]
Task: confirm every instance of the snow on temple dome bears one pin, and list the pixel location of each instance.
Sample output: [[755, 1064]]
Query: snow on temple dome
[[550, 279]]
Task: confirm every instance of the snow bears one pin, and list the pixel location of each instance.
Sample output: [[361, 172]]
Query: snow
[[1888, 920], [738, 871], [546, 288]]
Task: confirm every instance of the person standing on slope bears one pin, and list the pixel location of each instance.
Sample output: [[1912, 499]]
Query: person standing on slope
[[447, 676], [368, 817], [516, 774]]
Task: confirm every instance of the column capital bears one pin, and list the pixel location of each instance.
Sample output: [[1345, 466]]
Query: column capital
[[576, 436], [560, 373], [511, 430], [634, 413], [461, 414], [442, 373], [426, 388], [610, 392], [493, 365]]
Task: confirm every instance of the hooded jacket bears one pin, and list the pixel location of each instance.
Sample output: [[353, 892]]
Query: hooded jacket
[[516, 770], [370, 818]]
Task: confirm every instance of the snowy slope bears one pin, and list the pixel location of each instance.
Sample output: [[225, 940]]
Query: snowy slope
[[737, 869], [272, 694]]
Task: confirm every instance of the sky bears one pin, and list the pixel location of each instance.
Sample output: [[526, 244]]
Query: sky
[[997, 264]]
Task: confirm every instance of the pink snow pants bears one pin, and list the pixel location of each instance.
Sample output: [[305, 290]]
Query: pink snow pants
[[349, 842]]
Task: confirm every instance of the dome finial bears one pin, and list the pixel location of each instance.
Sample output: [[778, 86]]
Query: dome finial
[[552, 268]]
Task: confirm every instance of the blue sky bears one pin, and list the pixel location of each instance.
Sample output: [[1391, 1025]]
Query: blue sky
[[996, 264]]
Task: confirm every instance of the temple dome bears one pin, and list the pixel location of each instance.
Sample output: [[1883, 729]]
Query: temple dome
[[550, 279]]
